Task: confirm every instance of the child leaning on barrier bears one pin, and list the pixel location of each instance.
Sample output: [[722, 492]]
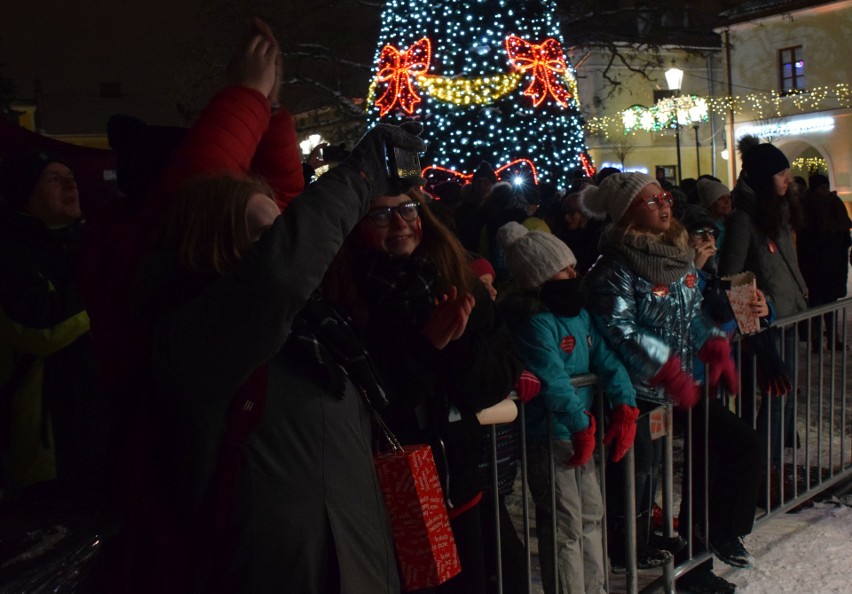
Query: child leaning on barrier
[[558, 341], [645, 300]]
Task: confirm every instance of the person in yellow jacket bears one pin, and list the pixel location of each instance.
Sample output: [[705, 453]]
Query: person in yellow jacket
[[49, 418]]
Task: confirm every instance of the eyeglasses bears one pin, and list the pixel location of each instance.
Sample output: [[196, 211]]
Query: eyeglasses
[[705, 233], [383, 216], [658, 200]]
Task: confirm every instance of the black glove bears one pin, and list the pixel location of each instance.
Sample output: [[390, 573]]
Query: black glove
[[773, 375], [368, 157]]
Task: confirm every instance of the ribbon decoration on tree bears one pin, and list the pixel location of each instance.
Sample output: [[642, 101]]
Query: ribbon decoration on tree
[[435, 174], [397, 68], [547, 61]]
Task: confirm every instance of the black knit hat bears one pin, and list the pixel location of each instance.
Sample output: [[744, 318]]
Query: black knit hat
[[696, 217], [762, 161], [19, 176]]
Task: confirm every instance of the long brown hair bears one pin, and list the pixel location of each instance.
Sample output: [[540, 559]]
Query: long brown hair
[[438, 246], [206, 223]]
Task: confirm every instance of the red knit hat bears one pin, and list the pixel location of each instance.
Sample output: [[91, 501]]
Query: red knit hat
[[481, 267]]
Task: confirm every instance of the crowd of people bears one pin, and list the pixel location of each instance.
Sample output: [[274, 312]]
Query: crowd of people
[[204, 357]]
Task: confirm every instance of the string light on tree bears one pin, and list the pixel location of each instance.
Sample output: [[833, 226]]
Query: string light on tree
[[489, 80]]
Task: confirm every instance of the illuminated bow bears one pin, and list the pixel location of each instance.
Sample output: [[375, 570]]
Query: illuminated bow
[[396, 68], [546, 62], [524, 168]]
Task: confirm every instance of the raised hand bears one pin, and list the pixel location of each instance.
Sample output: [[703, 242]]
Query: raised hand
[[254, 64], [265, 30], [704, 252], [368, 157], [448, 320]]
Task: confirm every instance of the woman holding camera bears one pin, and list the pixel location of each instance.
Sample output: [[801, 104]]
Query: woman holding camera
[[439, 347]]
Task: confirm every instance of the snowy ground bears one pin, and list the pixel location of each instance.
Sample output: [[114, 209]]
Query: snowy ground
[[810, 551]]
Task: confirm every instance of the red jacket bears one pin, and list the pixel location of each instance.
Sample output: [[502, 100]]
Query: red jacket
[[237, 134]]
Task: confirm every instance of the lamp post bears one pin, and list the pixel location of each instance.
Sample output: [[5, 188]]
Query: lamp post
[[697, 114], [674, 78]]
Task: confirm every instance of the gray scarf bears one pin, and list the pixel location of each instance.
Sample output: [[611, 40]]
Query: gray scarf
[[651, 259]]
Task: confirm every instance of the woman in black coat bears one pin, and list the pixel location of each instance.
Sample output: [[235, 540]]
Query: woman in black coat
[[439, 345]]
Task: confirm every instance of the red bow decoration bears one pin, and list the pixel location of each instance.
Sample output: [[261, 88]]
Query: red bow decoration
[[396, 68], [546, 61], [435, 174]]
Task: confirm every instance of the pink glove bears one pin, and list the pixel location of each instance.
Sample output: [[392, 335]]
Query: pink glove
[[716, 352], [678, 384], [584, 444], [622, 430], [528, 386]]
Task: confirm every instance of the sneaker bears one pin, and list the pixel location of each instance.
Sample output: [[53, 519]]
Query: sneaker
[[646, 558], [672, 544], [704, 581], [649, 558], [732, 552]]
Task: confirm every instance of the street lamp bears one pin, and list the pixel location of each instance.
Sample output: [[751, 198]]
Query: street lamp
[[674, 78], [697, 114]]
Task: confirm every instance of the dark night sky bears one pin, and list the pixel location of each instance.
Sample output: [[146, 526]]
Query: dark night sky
[[155, 48]]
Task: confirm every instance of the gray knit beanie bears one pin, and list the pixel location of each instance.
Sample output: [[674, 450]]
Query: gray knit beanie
[[710, 191], [615, 195], [533, 257]]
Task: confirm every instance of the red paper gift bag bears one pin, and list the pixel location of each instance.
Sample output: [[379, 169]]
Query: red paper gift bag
[[425, 547]]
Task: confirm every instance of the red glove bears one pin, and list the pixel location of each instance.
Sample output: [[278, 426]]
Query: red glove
[[622, 429], [716, 352], [528, 386], [584, 444], [678, 384]]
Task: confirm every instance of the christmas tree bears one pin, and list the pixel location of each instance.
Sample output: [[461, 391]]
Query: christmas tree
[[489, 81]]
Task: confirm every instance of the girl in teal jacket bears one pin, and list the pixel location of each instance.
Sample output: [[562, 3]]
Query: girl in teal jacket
[[557, 341]]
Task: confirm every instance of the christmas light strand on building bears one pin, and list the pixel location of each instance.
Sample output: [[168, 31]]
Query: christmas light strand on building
[[810, 164], [670, 113], [755, 105]]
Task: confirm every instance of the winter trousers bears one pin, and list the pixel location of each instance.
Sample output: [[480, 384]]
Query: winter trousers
[[768, 419], [733, 461], [578, 513], [647, 455]]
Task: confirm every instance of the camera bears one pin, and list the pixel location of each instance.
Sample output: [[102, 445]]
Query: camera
[[402, 164], [334, 152]]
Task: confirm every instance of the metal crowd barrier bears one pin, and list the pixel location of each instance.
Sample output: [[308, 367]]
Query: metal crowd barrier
[[817, 459]]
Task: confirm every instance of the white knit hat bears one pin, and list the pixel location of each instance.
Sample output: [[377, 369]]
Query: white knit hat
[[615, 195], [533, 257], [710, 191]]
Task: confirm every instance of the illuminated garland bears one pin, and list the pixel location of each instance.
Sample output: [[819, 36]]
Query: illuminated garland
[[398, 68], [810, 164], [470, 91], [667, 113], [760, 105]]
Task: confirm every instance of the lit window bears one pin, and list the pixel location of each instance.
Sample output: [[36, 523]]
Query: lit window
[[791, 69]]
